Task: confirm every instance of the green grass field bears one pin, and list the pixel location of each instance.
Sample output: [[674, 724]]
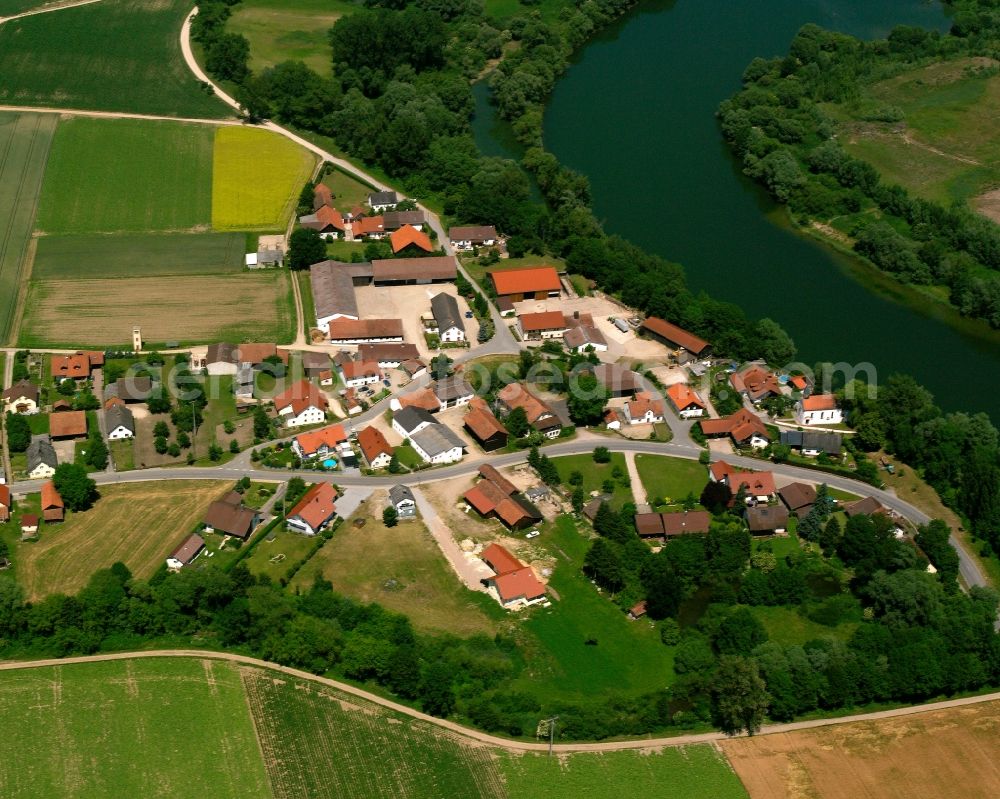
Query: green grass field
[[134, 255], [670, 478], [288, 30], [256, 179], [347, 192], [10, 7], [786, 627], [109, 175], [594, 474], [690, 772], [167, 728], [116, 55], [24, 147]]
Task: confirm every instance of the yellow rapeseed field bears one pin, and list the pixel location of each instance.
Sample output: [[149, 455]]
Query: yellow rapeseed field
[[256, 179]]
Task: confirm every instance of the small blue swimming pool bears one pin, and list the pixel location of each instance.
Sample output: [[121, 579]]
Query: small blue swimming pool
[[329, 463]]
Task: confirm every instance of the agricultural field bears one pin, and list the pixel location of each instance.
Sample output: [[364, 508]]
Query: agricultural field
[[66, 555], [256, 179], [400, 568], [923, 756], [116, 55], [166, 727], [137, 255], [164, 183], [691, 772], [24, 147], [183, 309], [288, 30], [671, 479], [323, 744], [11, 7], [945, 146]]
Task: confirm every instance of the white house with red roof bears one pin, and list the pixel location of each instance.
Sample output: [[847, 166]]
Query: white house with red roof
[[644, 409], [360, 373], [319, 443], [513, 583], [300, 404], [314, 511], [818, 409], [687, 404]]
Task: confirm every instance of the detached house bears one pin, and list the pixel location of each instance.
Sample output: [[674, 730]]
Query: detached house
[[327, 220], [767, 519], [687, 404], [319, 443], [583, 335], [402, 499], [229, 516], [447, 318], [513, 583], [383, 200], [743, 427], [314, 511], [755, 382], [41, 457], [759, 486], [360, 373], [409, 237], [77, 366], [644, 409], [301, 404], [540, 416], [820, 409], [120, 422], [5, 503], [471, 236], [798, 498], [542, 325], [375, 448], [22, 397]]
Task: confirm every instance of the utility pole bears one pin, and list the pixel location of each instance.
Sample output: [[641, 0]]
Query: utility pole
[[552, 731]]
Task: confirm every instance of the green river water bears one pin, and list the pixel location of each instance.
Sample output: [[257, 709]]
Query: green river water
[[635, 113]]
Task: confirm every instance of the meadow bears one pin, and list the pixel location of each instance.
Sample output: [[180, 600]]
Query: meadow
[[137, 255], [109, 175], [256, 179], [288, 30], [594, 474], [116, 55], [183, 309], [670, 478], [164, 727], [66, 555], [24, 147]]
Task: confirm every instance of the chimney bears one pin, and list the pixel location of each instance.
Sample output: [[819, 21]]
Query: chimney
[[576, 314]]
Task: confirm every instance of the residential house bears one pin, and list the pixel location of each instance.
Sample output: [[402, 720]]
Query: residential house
[[229, 516], [402, 499], [360, 373], [350, 402], [540, 416], [424, 398], [453, 392], [582, 334], [667, 525], [409, 420], [612, 419], [314, 364], [383, 200], [531, 283], [869, 506], [73, 367], [119, 422], [365, 331], [542, 325], [484, 427], [301, 404], [819, 409], [132, 388], [185, 554], [438, 443], [327, 221], [5, 503], [68, 424], [719, 471], [388, 356], [394, 220], [743, 427], [408, 237], [644, 409], [687, 404], [314, 511], [414, 271], [812, 442], [677, 338], [514, 583], [320, 443], [22, 397], [374, 447], [494, 496], [619, 381], [53, 507], [800, 383], [447, 318], [466, 238], [755, 382], [758, 486], [41, 457], [798, 498], [368, 227], [767, 519]]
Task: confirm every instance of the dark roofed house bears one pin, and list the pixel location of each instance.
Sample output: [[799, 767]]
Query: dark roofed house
[[676, 336], [684, 522], [185, 554], [314, 363], [649, 525], [411, 419], [767, 519], [119, 422], [470, 236], [869, 506], [22, 397], [41, 457], [619, 381], [414, 271], [453, 391], [130, 389], [383, 200], [812, 442], [333, 292], [394, 220], [402, 499], [798, 498], [321, 196], [448, 318], [229, 516]]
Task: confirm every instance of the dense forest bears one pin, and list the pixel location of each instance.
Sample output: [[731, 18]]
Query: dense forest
[[778, 126]]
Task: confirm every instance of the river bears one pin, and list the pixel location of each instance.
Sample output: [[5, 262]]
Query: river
[[635, 113]]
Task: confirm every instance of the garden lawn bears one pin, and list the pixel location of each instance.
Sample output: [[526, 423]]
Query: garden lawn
[[278, 552], [257, 178], [109, 175], [115, 55], [166, 727], [347, 191], [25, 141], [670, 478], [122, 454], [628, 656], [690, 772], [594, 474], [402, 569], [137, 254], [288, 30]]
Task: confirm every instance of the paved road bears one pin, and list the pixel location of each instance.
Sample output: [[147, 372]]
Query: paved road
[[494, 740]]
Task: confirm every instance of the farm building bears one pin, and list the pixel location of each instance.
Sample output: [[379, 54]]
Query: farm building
[[333, 285], [424, 398], [542, 325], [53, 507], [437, 443], [514, 583], [619, 381], [494, 496], [68, 424], [583, 335], [133, 388], [414, 271], [388, 356], [677, 338], [229, 516], [5, 503], [453, 392], [185, 554], [314, 511], [483, 425], [365, 331], [531, 283]]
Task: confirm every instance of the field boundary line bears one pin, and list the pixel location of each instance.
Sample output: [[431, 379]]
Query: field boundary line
[[34, 12], [493, 740], [83, 112]]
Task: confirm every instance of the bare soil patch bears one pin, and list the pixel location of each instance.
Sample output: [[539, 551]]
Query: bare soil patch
[[988, 205]]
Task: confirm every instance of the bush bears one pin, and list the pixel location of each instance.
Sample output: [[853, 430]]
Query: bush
[[602, 455], [160, 445]]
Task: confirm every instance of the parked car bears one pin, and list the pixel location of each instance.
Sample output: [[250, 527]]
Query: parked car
[[468, 314], [532, 534]]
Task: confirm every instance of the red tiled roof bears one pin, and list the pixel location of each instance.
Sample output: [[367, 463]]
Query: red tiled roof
[[543, 320], [299, 396], [322, 194], [819, 402], [481, 421], [756, 381], [317, 505], [258, 353], [356, 369], [721, 470], [515, 395], [520, 281], [424, 398], [519, 583], [368, 225], [68, 423], [75, 367], [50, 497], [331, 436], [683, 397], [490, 473], [330, 216], [799, 382], [677, 335], [644, 402], [373, 443], [359, 329], [5, 495], [499, 559], [758, 483], [408, 236], [740, 425]]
